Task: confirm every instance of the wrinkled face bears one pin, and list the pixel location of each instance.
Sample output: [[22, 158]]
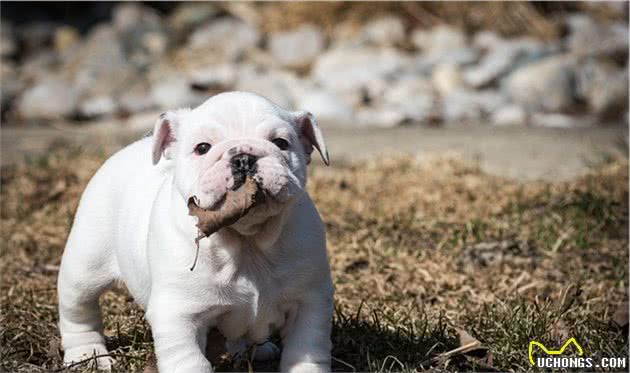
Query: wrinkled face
[[236, 135]]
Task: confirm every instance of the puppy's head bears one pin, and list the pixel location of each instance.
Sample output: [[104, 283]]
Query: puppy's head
[[236, 135]]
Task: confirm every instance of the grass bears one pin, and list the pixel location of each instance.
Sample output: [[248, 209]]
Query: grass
[[419, 251]]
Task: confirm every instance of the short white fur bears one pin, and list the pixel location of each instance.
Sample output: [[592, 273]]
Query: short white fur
[[268, 272]]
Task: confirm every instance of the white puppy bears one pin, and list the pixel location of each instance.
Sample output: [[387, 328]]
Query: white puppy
[[266, 272]]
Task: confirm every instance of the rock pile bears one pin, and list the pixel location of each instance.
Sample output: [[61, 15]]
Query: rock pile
[[380, 74]]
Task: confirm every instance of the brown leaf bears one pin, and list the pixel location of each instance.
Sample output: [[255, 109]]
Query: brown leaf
[[237, 204]]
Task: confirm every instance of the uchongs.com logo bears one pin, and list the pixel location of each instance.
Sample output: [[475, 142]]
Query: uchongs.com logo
[[552, 359]]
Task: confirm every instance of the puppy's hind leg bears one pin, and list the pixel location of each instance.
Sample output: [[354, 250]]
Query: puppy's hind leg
[[86, 272]]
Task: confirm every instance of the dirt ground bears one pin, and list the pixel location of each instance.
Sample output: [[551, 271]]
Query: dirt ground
[[426, 256]]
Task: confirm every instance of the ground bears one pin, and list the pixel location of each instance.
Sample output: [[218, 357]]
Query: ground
[[425, 255]]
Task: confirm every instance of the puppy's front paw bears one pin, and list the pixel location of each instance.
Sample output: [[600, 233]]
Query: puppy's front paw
[[93, 352]]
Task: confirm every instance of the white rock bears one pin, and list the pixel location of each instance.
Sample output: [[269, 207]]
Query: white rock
[[559, 120], [187, 16], [501, 58], [128, 15], [546, 85], [487, 40], [97, 107], [222, 77], [226, 38], [99, 66], [326, 106], [270, 84], [52, 98], [385, 31], [350, 69], [136, 98], [438, 39], [382, 117], [446, 78], [509, 115], [587, 37], [424, 63], [604, 87], [468, 105], [173, 92], [407, 100], [298, 47]]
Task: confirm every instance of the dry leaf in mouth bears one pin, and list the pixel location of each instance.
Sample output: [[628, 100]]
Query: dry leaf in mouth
[[237, 204]]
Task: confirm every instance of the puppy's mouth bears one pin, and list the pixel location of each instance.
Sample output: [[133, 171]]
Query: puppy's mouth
[[246, 194]]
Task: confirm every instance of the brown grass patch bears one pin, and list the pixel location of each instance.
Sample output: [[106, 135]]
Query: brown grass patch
[[417, 250]]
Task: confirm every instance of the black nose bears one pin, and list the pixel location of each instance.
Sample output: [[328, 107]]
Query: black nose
[[244, 164]]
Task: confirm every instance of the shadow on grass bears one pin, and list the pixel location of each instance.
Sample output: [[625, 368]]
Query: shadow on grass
[[387, 341]]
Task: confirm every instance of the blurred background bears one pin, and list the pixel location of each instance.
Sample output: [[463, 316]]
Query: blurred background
[[505, 218], [528, 89]]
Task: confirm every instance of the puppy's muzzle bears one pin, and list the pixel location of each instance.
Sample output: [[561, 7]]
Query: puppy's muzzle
[[242, 165]]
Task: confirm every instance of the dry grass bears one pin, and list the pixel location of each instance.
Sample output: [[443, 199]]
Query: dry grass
[[515, 18], [404, 241]]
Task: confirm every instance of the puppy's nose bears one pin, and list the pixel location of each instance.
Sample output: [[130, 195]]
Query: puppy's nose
[[243, 163]]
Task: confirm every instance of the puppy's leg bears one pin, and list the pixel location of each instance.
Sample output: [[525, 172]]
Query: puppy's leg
[[179, 341], [306, 343], [85, 273]]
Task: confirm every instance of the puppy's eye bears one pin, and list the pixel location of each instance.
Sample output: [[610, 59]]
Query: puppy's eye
[[202, 148], [281, 143]]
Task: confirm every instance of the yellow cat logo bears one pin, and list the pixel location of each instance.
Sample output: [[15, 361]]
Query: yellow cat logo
[[553, 352]]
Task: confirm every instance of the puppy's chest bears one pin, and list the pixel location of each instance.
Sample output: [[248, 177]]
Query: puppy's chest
[[256, 303]]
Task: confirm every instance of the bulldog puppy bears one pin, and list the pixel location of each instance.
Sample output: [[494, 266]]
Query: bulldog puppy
[[266, 272]]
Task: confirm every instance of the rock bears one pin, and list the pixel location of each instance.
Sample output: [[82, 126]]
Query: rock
[[501, 58], [8, 45], [136, 98], [446, 78], [97, 107], [219, 77], [174, 91], [66, 37], [35, 36], [52, 98], [86, 66], [383, 117], [547, 85], [425, 63], [386, 31], [271, 84], [347, 70], [438, 39], [212, 38], [468, 105], [128, 15], [441, 45], [586, 37], [144, 37], [487, 40], [38, 66], [509, 115], [296, 48], [407, 100], [604, 87], [327, 107], [559, 120], [187, 16]]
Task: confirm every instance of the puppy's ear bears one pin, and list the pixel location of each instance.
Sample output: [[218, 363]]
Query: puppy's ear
[[164, 135], [310, 135]]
